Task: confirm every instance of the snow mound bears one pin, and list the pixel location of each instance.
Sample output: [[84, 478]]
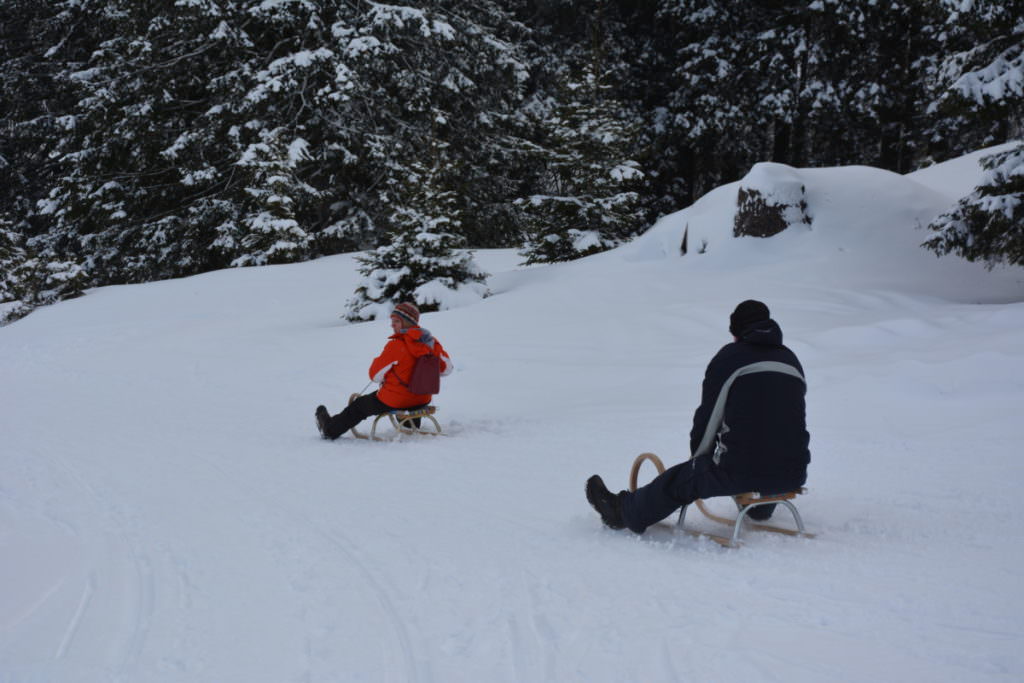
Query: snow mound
[[770, 199], [852, 205]]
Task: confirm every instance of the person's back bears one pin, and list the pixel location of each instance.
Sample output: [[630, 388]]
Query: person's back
[[393, 368], [761, 436]]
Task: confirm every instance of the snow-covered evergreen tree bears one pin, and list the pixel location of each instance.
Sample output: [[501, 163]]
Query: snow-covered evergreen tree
[[12, 257], [28, 92], [792, 82], [444, 74], [267, 231], [427, 266], [864, 98], [424, 260], [709, 92], [978, 85], [988, 224], [147, 139], [28, 281], [976, 76], [27, 126], [207, 133], [585, 197], [117, 203]]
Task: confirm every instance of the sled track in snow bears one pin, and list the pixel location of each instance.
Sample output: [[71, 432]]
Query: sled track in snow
[[142, 613], [345, 546]]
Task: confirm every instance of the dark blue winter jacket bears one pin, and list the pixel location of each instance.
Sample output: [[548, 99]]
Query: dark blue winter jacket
[[751, 420]]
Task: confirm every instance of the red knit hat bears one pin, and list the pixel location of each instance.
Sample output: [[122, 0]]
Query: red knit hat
[[408, 312]]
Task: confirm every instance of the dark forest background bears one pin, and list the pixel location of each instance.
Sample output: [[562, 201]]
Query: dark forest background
[[143, 140]]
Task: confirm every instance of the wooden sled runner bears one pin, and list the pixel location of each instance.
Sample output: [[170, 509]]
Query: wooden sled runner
[[404, 422], [745, 502]]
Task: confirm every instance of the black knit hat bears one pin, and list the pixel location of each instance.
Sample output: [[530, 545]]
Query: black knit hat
[[747, 314]]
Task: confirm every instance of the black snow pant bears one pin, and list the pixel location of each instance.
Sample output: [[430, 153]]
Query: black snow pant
[[686, 482], [354, 413], [357, 411]]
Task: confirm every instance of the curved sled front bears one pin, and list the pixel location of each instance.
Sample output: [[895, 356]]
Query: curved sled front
[[635, 470]]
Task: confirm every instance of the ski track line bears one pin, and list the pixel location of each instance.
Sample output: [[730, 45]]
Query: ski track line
[[76, 618], [543, 633], [516, 637], [42, 600], [669, 665], [142, 613], [412, 673]]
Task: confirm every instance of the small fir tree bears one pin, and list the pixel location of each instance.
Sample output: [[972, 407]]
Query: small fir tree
[[268, 231], [988, 224], [424, 260]]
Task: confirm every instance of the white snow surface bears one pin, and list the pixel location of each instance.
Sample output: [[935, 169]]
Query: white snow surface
[[169, 513]]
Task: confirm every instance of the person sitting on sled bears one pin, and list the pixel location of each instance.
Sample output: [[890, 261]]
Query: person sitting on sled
[[749, 433], [392, 370]]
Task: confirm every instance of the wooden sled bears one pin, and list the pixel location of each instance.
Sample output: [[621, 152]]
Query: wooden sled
[[745, 502], [404, 422]]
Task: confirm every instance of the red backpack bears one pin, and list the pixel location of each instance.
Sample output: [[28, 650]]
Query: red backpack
[[426, 375]]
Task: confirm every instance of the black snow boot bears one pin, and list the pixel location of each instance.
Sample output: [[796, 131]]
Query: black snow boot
[[322, 416], [605, 502]]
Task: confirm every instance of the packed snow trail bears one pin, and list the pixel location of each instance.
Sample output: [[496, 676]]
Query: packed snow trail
[[169, 513]]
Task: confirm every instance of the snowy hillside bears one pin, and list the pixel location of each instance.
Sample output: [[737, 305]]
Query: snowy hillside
[[169, 513]]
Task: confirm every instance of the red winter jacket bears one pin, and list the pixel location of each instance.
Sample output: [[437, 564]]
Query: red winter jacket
[[392, 369]]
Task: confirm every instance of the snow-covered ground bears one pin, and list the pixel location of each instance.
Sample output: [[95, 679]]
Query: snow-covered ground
[[169, 513]]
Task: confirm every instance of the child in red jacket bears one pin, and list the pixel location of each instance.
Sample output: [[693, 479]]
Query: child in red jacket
[[392, 370]]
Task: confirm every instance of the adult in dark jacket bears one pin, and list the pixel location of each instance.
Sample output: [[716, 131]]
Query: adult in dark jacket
[[749, 433]]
